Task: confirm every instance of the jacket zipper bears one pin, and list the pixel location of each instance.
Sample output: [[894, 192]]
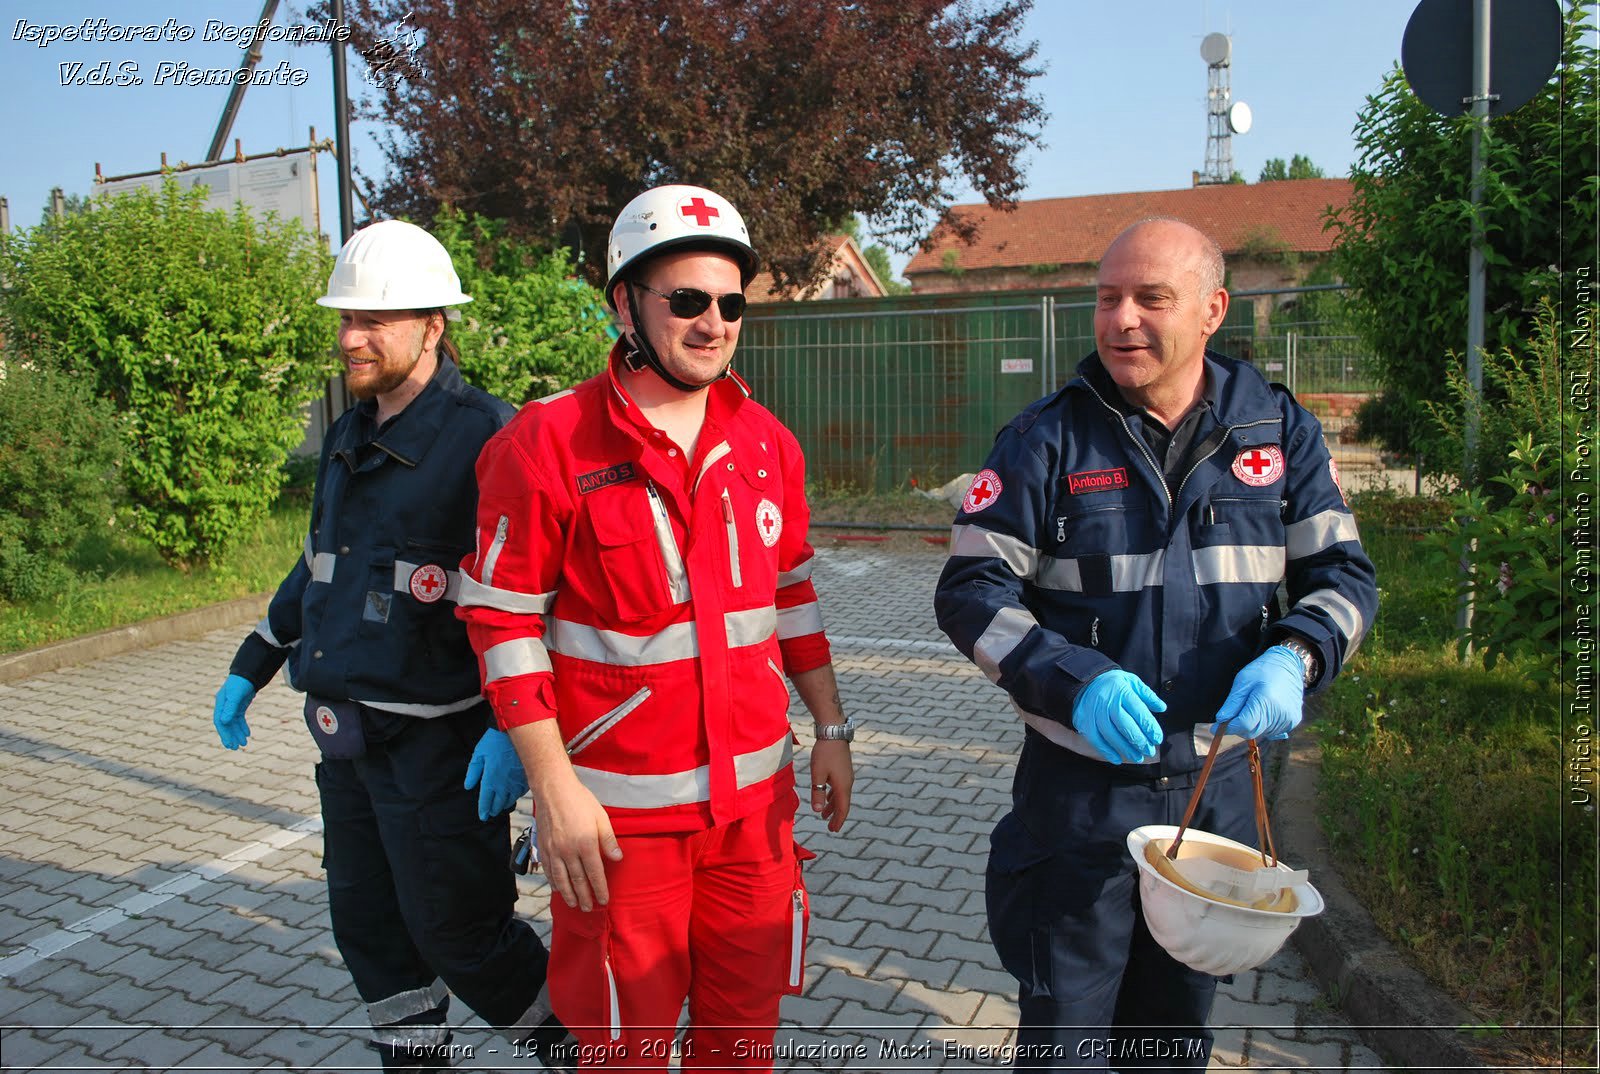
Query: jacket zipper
[[1094, 632], [591, 734], [733, 540], [495, 547], [797, 939], [677, 577]]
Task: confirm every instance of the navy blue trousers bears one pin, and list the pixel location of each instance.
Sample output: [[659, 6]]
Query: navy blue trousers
[[418, 887], [1095, 991]]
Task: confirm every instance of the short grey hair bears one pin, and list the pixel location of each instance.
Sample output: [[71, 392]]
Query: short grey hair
[[1212, 270]]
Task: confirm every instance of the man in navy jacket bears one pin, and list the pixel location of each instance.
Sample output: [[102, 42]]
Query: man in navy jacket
[[1115, 568]]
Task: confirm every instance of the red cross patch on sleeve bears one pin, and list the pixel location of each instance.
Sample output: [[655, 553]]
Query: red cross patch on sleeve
[[1259, 466], [984, 490], [428, 583]]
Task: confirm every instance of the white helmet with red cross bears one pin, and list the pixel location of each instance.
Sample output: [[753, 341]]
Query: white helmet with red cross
[[677, 217]]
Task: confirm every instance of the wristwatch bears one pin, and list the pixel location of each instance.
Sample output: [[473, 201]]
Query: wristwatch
[[1308, 658], [836, 732]]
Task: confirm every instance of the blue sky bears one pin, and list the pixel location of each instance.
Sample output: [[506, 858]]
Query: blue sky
[[1124, 89]]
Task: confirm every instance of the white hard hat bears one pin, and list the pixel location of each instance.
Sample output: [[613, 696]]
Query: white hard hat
[[393, 265], [677, 217], [1203, 930]]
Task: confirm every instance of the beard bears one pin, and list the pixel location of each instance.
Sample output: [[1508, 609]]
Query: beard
[[383, 376]]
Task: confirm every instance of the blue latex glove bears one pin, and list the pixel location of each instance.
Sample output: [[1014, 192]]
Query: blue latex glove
[[1267, 697], [1114, 713], [497, 772], [228, 715]]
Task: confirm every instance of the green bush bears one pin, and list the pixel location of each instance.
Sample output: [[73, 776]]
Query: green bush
[[58, 462], [532, 328], [200, 328], [1519, 529]]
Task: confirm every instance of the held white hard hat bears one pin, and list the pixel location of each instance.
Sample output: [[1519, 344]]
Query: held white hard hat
[[1217, 911], [393, 265], [677, 217]]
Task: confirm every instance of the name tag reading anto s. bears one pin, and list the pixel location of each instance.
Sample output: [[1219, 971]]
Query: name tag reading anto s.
[[611, 475]]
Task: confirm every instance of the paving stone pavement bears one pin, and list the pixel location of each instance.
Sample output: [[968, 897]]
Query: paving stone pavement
[[162, 903]]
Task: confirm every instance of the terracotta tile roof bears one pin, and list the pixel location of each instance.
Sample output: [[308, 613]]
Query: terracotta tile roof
[[1070, 231]]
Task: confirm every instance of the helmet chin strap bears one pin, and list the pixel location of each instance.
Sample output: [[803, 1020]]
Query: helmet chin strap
[[641, 353]]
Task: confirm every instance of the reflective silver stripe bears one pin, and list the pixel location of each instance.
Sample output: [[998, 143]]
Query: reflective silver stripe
[[322, 567], [427, 712], [535, 1015], [711, 456], [264, 629], [1345, 616], [402, 580], [407, 1004], [974, 542], [1239, 563], [733, 540], [552, 397], [624, 791], [676, 641], [307, 554], [1129, 574], [1068, 739], [519, 656], [501, 529], [477, 595], [589, 735], [1003, 634], [799, 573], [677, 576], [1320, 531], [755, 625], [799, 621]]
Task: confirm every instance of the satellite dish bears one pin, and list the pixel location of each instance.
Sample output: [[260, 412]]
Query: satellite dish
[[1239, 118], [1216, 49]]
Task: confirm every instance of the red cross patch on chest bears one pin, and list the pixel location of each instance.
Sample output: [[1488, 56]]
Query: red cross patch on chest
[[428, 582], [1259, 466], [984, 490]]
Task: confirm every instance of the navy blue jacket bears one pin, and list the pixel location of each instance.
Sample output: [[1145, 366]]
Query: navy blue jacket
[[368, 612], [1082, 561]]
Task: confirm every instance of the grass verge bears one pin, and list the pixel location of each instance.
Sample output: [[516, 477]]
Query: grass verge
[[1444, 800], [119, 579]]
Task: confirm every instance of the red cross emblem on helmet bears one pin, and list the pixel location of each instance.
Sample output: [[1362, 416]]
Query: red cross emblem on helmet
[[327, 720], [696, 210], [1259, 466], [769, 522], [984, 490], [429, 582]]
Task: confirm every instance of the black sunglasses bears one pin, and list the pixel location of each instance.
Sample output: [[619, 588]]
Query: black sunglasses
[[688, 302]]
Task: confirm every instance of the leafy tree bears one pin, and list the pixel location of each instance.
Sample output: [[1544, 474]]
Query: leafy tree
[[58, 462], [1403, 239], [200, 328], [531, 328], [1299, 167], [552, 114]]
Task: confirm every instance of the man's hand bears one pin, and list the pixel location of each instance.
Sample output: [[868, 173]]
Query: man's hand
[[1114, 713], [1267, 698], [832, 776], [227, 716], [497, 772], [575, 840]]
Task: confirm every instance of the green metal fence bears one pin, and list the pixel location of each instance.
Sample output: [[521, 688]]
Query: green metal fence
[[882, 390]]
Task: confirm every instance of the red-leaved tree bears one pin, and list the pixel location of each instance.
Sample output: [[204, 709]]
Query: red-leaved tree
[[552, 114]]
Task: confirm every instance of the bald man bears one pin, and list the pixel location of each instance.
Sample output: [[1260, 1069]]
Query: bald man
[[1114, 568]]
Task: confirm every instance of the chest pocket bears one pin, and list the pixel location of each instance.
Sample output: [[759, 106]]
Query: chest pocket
[[754, 521], [630, 527], [1103, 545]]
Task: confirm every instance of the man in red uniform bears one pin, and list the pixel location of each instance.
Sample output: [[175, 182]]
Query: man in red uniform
[[640, 591]]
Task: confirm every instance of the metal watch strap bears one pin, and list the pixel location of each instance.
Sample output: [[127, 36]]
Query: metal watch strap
[[836, 732], [1308, 659]]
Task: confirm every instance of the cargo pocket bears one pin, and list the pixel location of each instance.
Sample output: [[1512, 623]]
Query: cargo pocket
[[582, 975], [799, 924], [631, 554]]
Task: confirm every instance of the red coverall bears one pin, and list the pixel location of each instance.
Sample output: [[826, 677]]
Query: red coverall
[[651, 604]]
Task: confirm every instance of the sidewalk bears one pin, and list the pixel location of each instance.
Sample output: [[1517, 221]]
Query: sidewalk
[[162, 902]]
